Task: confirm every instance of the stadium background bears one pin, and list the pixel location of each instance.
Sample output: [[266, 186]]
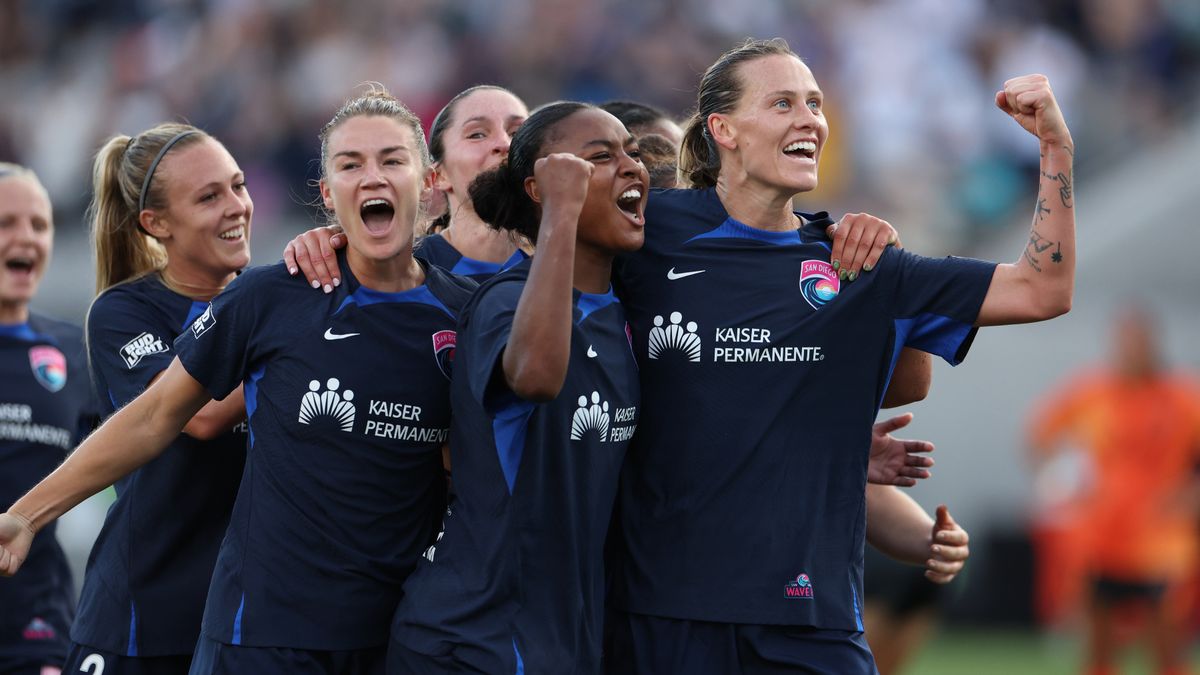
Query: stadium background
[[915, 140]]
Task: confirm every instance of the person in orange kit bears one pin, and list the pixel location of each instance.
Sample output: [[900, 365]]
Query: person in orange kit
[[1140, 424]]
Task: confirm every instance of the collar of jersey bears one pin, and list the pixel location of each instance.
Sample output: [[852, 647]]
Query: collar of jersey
[[360, 295], [19, 331], [590, 302]]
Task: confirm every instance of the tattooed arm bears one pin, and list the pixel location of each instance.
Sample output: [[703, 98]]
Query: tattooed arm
[[1039, 285]]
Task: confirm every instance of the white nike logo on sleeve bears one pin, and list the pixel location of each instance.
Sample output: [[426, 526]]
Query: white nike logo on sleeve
[[673, 275], [330, 335]]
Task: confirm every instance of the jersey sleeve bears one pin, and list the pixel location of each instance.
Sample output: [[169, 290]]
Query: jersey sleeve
[[128, 345], [935, 302], [216, 349], [487, 331]]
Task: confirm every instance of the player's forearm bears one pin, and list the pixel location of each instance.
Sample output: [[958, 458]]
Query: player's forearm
[[1041, 283], [218, 417], [911, 379], [897, 525], [535, 359]]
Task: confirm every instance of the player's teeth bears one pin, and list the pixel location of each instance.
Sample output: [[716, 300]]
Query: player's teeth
[[631, 194], [801, 145], [232, 234], [374, 202]]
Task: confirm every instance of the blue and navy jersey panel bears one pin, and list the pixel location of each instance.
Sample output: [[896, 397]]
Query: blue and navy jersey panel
[[517, 576], [348, 403], [436, 250], [144, 590], [46, 406], [743, 496]]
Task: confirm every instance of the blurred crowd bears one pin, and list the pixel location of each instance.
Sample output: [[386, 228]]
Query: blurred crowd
[[909, 83]]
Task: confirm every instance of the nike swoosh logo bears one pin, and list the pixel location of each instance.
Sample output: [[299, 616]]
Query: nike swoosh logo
[[591, 352], [673, 275], [330, 335]]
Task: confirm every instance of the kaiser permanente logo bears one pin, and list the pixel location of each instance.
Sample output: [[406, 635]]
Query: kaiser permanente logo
[[331, 403], [593, 415], [731, 344]]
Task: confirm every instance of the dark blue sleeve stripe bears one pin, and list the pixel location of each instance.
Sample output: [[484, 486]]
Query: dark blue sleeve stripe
[[508, 428], [131, 648], [250, 392], [237, 622], [936, 334], [470, 266]]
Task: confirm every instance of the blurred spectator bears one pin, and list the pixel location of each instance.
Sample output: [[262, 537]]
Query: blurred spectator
[[1139, 424], [922, 147]]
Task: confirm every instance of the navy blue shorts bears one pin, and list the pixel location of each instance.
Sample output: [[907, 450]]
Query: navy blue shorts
[[403, 661], [637, 644], [85, 659], [214, 657]]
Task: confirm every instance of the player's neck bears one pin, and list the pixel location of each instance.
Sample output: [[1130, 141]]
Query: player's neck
[[473, 238], [396, 274], [593, 270], [14, 313], [193, 282], [756, 205]]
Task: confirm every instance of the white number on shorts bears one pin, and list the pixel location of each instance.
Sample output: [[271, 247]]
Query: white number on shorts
[[94, 664]]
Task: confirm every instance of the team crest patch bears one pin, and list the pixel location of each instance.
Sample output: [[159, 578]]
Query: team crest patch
[[799, 588], [444, 342], [49, 367], [819, 283]]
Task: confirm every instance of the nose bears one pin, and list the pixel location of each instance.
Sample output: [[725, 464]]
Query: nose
[[240, 205], [503, 141], [629, 166], [372, 176]]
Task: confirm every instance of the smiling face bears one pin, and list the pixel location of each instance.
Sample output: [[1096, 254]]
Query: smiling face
[[374, 179], [477, 139], [774, 136], [614, 214], [205, 226], [26, 240]]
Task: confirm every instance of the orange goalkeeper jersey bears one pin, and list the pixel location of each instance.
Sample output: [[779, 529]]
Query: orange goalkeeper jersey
[[1144, 440]]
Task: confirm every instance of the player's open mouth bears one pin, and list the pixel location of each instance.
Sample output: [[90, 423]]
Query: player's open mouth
[[376, 214], [801, 150], [234, 233], [19, 265], [632, 202]]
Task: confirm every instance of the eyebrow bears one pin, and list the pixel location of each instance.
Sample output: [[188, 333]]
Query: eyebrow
[[791, 93], [217, 183], [483, 118], [385, 151], [629, 140]]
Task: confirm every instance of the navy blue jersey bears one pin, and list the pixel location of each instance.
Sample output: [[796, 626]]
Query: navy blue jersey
[[517, 575], [743, 497], [46, 407], [435, 249], [348, 396], [144, 589]]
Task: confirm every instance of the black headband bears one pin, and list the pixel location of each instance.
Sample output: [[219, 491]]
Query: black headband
[[154, 165]]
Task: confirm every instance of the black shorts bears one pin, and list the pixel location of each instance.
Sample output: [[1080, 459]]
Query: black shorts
[[649, 645], [896, 588], [214, 657], [1111, 590], [85, 659]]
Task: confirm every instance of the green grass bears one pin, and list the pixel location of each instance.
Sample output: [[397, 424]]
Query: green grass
[[979, 652]]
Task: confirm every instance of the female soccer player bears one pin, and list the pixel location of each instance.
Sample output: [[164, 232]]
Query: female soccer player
[[470, 135], [45, 408], [171, 220], [348, 403], [742, 503], [545, 399]]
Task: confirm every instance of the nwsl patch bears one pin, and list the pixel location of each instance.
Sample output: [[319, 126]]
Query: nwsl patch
[[444, 342], [819, 283], [799, 589], [203, 322], [49, 367]]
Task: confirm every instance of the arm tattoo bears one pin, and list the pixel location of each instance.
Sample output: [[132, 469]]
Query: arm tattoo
[[1064, 187], [1037, 244], [1041, 208], [1057, 255]]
